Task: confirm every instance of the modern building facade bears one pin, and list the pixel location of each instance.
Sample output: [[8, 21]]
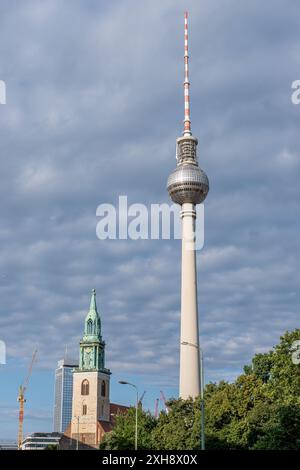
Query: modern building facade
[[8, 445], [63, 395], [188, 185], [41, 440]]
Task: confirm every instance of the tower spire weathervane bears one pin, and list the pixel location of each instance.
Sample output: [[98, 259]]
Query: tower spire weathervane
[[186, 84]]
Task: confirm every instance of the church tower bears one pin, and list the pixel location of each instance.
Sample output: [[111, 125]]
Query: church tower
[[91, 402]]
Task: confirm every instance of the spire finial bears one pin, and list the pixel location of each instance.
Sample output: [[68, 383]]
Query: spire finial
[[187, 119], [93, 306]]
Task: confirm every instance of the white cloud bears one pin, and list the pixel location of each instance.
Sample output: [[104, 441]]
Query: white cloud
[[287, 160]]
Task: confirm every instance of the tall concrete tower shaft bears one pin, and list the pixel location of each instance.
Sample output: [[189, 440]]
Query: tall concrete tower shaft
[[188, 185]]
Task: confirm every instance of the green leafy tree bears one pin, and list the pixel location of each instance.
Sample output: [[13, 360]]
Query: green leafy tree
[[179, 429], [261, 366], [284, 380], [259, 410], [122, 437], [227, 407], [282, 430]]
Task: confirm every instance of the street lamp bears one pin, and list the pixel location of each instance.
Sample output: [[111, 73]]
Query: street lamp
[[202, 399], [123, 382], [186, 343], [77, 442]]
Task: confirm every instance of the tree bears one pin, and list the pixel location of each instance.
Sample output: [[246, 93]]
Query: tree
[[227, 408], [180, 428], [122, 437], [261, 366], [284, 381], [282, 431], [259, 410]]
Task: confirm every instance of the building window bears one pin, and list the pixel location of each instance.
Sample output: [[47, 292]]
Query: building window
[[85, 387], [103, 388], [84, 409], [89, 327]]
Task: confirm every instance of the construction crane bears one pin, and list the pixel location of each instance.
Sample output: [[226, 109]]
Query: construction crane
[[163, 399], [21, 400], [141, 398]]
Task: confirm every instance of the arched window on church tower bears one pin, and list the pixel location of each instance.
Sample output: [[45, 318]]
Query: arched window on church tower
[[103, 388], [85, 387], [84, 409], [89, 327]]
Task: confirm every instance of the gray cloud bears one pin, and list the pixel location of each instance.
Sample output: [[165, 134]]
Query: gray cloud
[[94, 105]]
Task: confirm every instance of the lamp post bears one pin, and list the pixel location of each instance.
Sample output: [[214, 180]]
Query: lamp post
[[77, 441], [202, 399], [123, 382], [186, 343]]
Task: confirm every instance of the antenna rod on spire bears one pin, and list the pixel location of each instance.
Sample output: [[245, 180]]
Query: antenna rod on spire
[[187, 119]]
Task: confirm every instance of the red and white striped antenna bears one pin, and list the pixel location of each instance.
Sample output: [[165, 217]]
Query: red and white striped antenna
[[187, 118]]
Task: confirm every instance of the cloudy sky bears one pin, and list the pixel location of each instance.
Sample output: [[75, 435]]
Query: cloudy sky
[[94, 106]]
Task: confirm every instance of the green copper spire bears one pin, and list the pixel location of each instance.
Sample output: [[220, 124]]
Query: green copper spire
[[92, 346], [93, 305], [92, 325]]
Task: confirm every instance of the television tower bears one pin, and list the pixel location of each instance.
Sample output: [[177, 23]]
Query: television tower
[[188, 185]]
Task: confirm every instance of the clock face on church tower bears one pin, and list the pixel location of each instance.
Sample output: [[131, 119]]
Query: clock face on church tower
[[87, 358]]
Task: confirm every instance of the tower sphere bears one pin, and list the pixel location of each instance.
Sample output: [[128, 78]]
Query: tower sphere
[[188, 183]]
